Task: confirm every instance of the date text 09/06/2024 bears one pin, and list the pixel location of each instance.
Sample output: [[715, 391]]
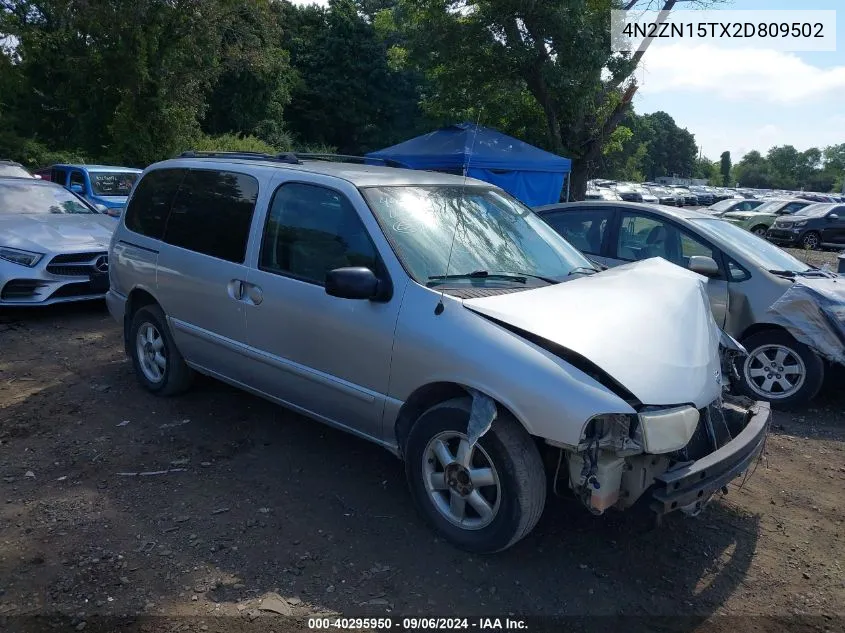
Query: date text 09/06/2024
[[418, 624]]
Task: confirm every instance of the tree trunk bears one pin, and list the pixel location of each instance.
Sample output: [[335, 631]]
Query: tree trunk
[[578, 179]]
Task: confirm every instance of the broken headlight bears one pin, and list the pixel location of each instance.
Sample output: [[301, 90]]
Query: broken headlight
[[667, 430]]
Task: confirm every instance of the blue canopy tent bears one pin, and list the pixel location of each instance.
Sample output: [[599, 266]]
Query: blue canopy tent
[[528, 173]]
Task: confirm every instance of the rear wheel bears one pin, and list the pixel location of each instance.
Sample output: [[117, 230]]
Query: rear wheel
[[780, 369], [480, 499], [760, 230], [158, 364], [810, 240]]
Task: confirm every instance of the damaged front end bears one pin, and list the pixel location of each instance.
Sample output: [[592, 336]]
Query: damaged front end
[[682, 454]]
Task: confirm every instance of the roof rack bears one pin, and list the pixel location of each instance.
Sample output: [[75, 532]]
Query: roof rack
[[287, 157], [295, 158]]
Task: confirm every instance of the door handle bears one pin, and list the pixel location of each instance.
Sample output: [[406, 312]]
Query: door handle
[[254, 294], [235, 289]]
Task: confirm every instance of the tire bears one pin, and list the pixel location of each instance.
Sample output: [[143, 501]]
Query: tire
[[760, 230], [799, 355], [175, 377], [516, 497], [810, 240]]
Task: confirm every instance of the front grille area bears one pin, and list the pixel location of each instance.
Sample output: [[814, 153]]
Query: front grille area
[[21, 289], [77, 258], [75, 264]]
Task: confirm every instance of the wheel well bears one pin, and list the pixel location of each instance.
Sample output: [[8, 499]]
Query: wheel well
[[422, 399], [759, 226], [756, 328], [136, 300]]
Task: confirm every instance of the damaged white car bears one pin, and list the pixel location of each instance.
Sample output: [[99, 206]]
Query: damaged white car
[[439, 318]]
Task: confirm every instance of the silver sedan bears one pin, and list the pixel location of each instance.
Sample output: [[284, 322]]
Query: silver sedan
[[53, 245]]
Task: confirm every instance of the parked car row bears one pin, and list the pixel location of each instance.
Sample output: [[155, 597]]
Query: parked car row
[[650, 192]]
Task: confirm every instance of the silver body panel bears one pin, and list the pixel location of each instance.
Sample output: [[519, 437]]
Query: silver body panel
[[352, 364]]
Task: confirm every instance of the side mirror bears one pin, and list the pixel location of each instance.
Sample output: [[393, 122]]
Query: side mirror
[[352, 283], [101, 208], [706, 266], [78, 189], [832, 216], [115, 213]]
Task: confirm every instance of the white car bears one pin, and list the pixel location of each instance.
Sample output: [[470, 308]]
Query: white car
[[53, 245]]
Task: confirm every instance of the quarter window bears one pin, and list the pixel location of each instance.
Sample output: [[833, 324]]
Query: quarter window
[[149, 205], [77, 178], [311, 230], [212, 213]]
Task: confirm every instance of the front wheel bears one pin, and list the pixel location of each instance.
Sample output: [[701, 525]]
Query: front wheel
[[158, 364], [811, 240], [760, 231], [780, 369], [480, 499]]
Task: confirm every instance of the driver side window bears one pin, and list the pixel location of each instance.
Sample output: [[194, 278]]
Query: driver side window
[[311, 230], [642, 237]]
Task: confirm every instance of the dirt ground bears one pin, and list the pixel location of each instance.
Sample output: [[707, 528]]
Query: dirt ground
[[259, 501]]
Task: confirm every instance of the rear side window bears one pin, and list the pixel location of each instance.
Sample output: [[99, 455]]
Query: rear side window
[[212, 213], [583, 229], [150, 204]]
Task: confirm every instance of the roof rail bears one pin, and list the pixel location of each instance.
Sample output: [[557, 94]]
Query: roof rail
[[287, 157], [341, 158]]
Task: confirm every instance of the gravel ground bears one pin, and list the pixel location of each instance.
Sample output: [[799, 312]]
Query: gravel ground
[[250, 511]]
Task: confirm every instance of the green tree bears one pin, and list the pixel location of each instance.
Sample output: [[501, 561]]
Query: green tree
[[347, 94], [753, 170], [725, 168], [558, 53]]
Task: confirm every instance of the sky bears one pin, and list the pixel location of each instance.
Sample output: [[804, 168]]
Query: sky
[[741, 100]]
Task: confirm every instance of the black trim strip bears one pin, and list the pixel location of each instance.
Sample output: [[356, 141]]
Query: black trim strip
[[143, 248]]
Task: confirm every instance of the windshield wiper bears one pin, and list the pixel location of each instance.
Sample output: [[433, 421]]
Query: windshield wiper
[[583, 269], [477, 274]]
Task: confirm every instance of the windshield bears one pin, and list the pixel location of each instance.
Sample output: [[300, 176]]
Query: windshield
[[762, 253], [491, 232], [19, 197], [118, 183], [724, 205], [14, 171], [815, 210], [771, 206]]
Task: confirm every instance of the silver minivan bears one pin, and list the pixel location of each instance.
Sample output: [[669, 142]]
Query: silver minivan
[[440, 318]]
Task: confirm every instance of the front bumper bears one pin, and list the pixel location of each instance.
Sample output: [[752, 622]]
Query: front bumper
[[57, 278], [784, 236], [692, 485]]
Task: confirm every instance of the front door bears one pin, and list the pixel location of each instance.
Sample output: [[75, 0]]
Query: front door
[[641, 235], [202, 272], [327, 356], [833, 231]]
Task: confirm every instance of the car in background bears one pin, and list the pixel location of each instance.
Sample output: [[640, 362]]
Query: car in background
[[820, 225], [9, 168], [645, 193], [690, 199], [759, 220], [727, 206], [666, 196], [53, 245], [705, 196], [106, 187], [628, 193], [746, 276], [601, 193]]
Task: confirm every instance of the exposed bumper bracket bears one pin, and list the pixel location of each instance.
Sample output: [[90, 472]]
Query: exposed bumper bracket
[[693, 484]]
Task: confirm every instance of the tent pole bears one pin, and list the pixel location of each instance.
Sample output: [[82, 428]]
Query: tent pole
[[568, 175]]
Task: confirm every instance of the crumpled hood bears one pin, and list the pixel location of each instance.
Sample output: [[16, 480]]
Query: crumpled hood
[[56, 232], [647, 324]]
